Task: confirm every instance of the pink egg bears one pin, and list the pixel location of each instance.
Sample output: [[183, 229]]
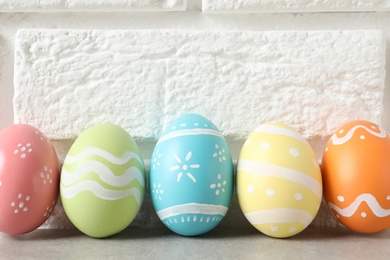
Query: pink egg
[[29, 179]]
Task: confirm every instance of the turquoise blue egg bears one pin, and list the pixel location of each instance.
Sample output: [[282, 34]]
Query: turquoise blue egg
[[191, 176]]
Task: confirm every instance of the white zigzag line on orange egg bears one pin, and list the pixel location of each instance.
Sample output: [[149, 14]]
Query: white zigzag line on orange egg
[[99, 191], [366, 197], [341, 140], [105, 174], [89, 151]]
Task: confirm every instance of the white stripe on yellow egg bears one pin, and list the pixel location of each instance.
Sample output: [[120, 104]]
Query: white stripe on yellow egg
[[270, 170], [267, 192], [275, 128], [280, 215]]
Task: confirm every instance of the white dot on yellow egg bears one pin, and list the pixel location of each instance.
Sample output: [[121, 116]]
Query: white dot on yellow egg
[[274, 228], [265, 146], [270, 192], [250, 188], [294, 152], [298, 196], [292, 229]]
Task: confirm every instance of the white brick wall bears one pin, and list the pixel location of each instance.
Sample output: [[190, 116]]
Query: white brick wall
[[91, 5], [312, 69], [66, 81], [275, 6]]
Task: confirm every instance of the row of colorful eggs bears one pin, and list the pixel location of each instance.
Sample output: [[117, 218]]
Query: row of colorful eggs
[[279, 182]]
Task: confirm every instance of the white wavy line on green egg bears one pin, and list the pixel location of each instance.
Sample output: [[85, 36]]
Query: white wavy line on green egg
[[104, 173], [89, 151], [192, 208], [270, 170], [99, 191], [279, 215]]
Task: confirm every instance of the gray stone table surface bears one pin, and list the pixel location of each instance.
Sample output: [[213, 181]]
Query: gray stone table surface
[[220, 243]]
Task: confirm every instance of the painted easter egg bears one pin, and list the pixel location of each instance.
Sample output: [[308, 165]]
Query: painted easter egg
[[356, 175], [191, 176], [29, 179], [279, 182], [102, 181]]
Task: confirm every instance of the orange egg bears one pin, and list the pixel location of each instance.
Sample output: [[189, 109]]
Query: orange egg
[[356, 176]]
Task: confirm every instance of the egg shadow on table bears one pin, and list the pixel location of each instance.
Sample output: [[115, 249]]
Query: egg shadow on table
[[136, 233], [164, 233], [48, 234], [334, 233]]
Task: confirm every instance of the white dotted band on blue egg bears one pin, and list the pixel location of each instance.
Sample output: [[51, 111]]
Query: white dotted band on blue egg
[[192, 208]]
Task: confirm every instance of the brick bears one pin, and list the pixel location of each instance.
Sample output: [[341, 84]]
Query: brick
[[92, 5], [67, 80], [293, 6]]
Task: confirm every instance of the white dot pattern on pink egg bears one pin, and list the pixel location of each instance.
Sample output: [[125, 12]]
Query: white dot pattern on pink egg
[[49, 209], [23, 150], [20, 204], [46, 175], [40, 136]]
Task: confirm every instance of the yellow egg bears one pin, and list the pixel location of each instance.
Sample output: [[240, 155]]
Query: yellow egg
[[279, 181]]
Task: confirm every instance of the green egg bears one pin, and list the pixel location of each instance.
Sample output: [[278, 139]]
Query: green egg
[[103, 181]]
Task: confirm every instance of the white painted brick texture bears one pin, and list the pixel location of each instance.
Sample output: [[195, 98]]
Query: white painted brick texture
[[92, 5], [276, 6], [66, 81]]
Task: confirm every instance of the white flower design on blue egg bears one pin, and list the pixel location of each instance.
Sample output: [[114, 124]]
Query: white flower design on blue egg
[[220, 153], [184, 167], [192, 163]]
